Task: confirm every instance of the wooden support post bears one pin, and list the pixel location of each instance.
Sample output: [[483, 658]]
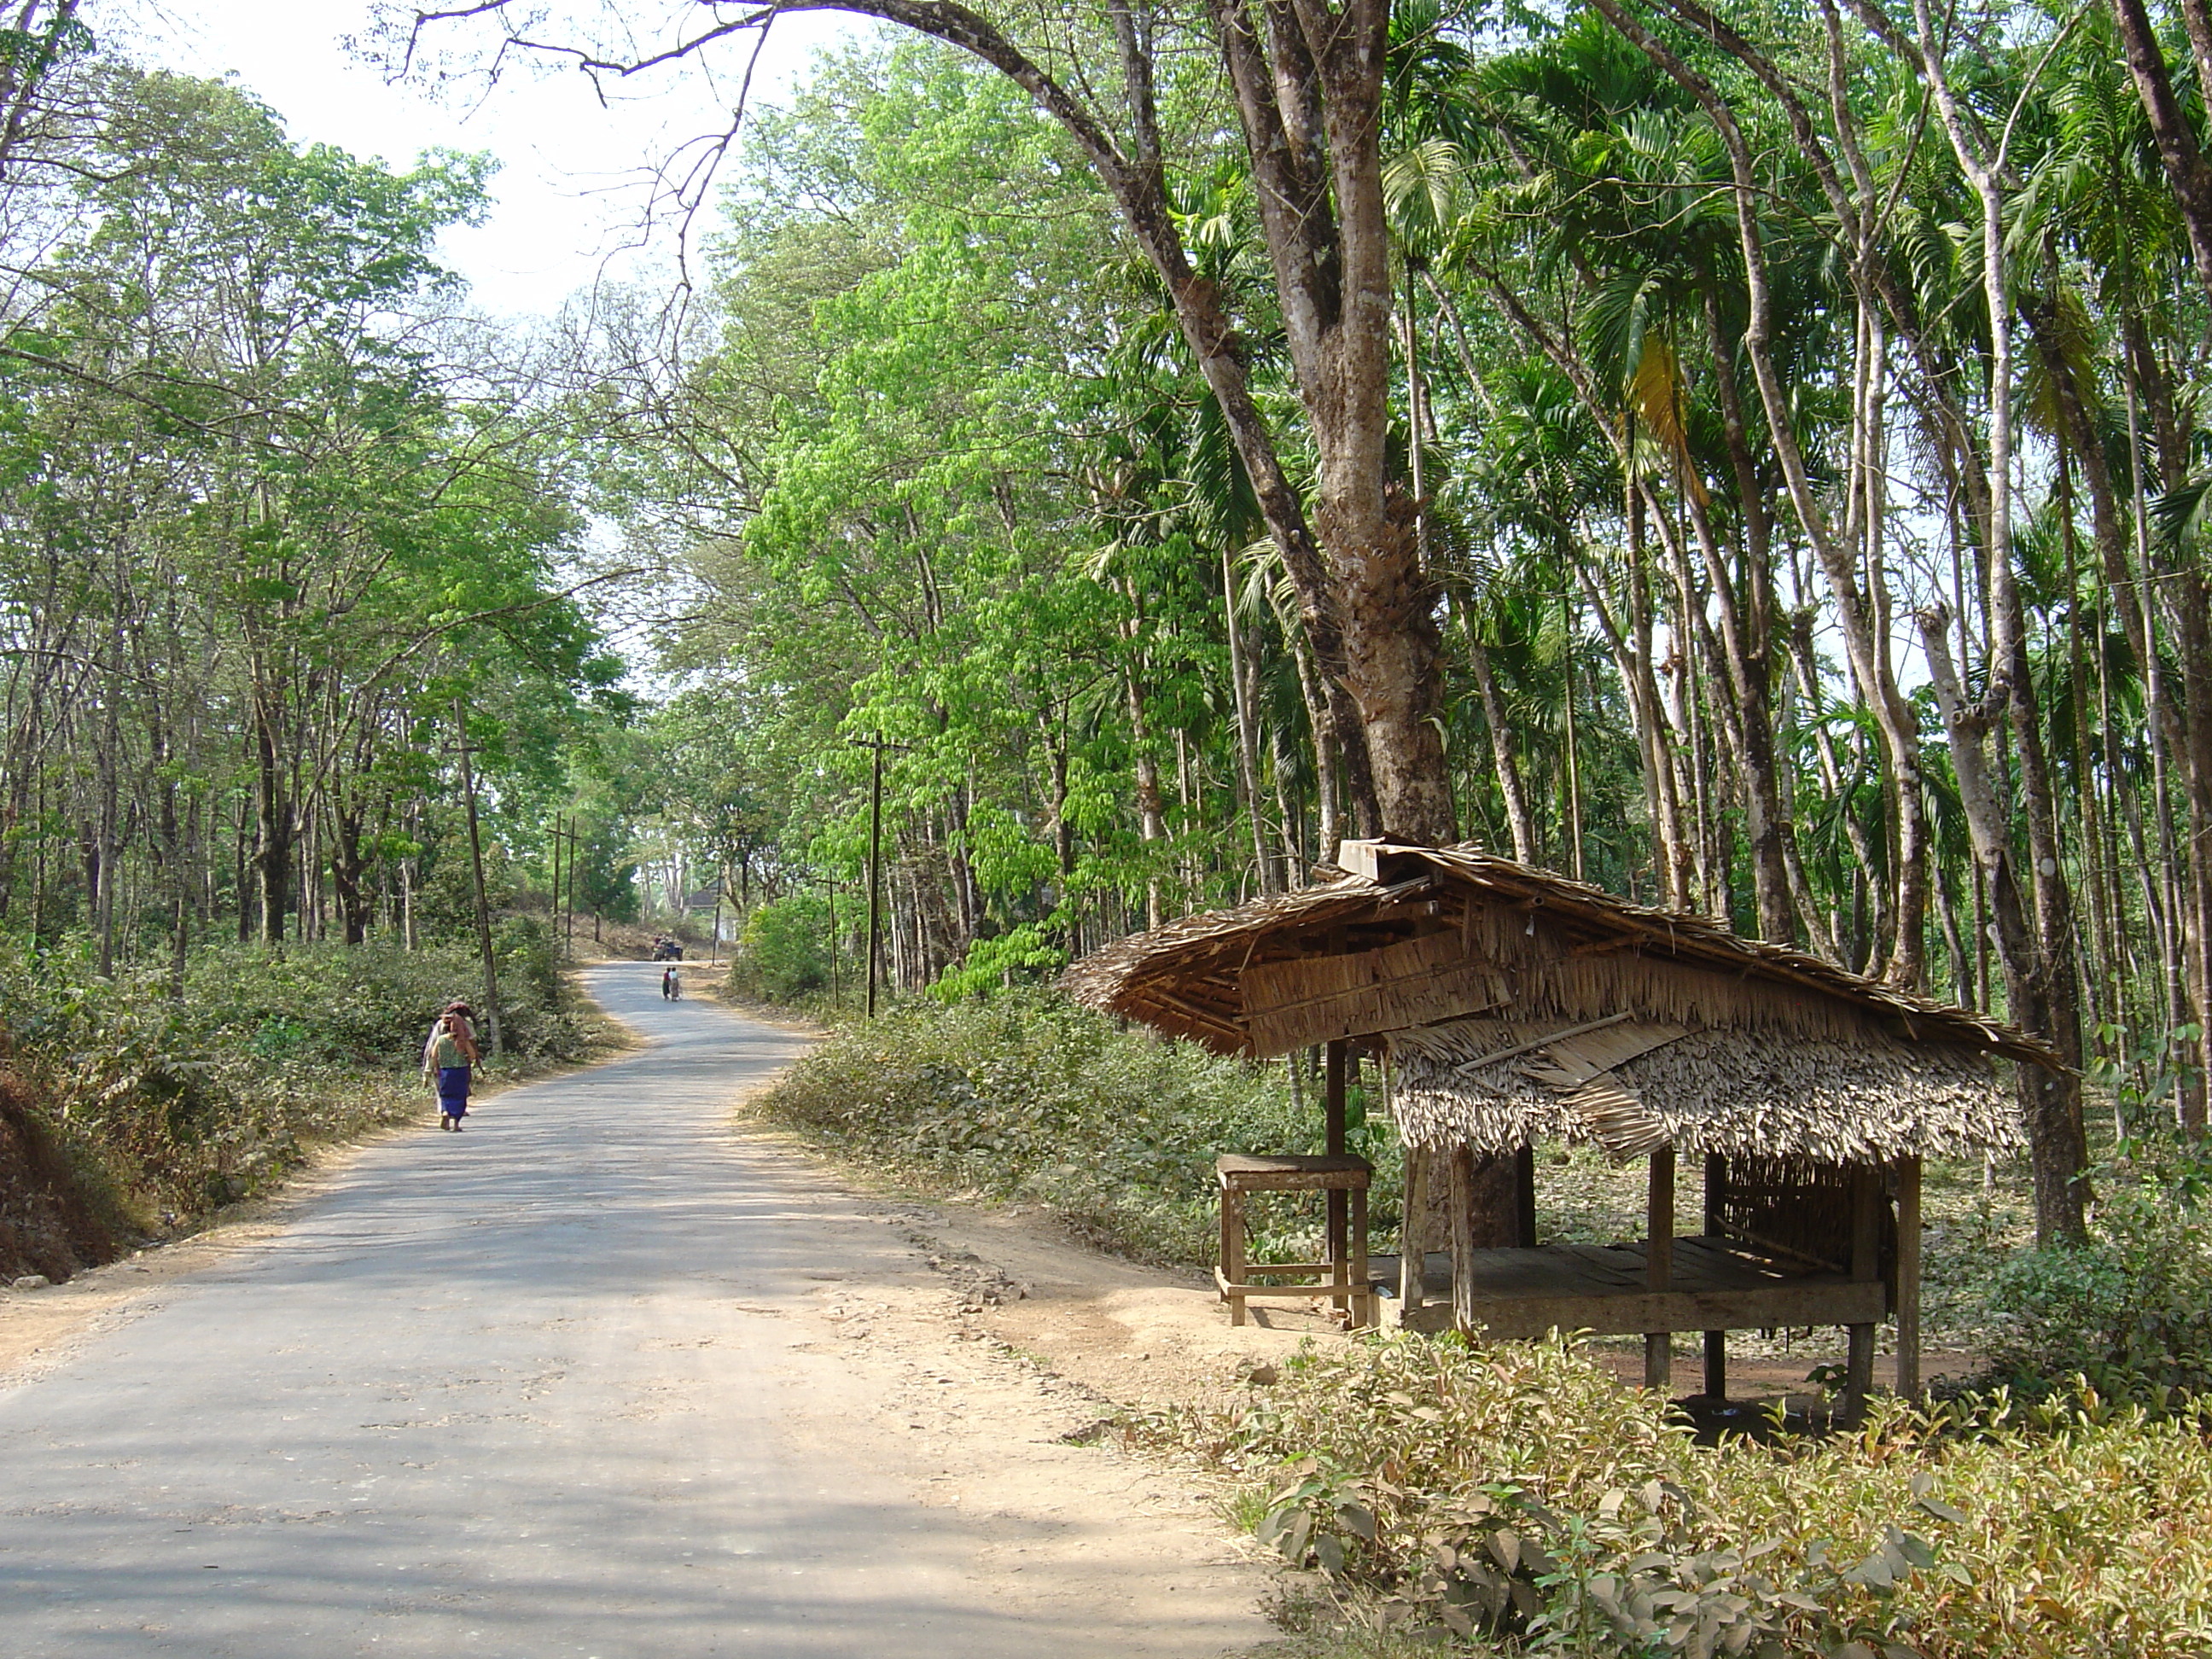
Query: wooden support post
[[1463, 1235], [1908, 1278], [1335, 1075], [1659, 1264], [1232, 1247], [1413, 1232], [1524, 1178], [1716, 1215], [1362, 1312], [1337, 1253], [1866, 1266]]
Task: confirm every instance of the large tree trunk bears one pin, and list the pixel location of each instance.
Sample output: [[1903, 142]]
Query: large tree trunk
[[1310, 99]]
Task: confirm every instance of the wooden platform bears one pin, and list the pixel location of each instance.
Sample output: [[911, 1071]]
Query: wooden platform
[[1715, 1286]]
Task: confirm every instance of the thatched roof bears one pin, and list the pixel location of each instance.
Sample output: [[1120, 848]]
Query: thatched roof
[[1484, 1081], [1516, 1003]]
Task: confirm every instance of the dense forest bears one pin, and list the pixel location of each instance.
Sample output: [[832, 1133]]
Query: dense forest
[[1748, 463]]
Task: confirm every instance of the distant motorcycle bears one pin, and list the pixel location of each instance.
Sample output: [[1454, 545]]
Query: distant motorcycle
[[667, 949]]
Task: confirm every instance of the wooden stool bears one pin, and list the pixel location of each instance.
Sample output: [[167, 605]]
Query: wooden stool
[[1344, 1280]]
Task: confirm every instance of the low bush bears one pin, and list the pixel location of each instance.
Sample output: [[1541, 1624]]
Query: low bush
[[1518, 1495], [2130, 1306], [180, 1097], [783, 954], [371, 1005], [1028, 1097]]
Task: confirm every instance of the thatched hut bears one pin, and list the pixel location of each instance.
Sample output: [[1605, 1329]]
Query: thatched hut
[[1510, 1006]]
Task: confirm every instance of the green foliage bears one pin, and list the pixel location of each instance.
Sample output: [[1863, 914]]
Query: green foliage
[[1021, 955], [783, 953], [1518, 1492], [192, 1097], [1028, 1098], [2129, 1307]]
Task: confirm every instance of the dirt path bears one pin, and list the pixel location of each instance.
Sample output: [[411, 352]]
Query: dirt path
[[595, 1378]]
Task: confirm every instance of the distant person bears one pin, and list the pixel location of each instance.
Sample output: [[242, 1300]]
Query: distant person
[[671, 987], [447, 1058]]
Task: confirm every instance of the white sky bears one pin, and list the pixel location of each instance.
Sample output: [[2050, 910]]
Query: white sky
[[569, 188]]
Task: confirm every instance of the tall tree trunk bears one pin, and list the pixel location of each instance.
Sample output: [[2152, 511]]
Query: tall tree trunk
[[273, 829], [2058, 1149], [1248, 746], [1503, 761]]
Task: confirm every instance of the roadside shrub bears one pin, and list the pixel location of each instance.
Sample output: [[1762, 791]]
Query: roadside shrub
[[371, 1005], [178, 1099], [1028, 1097], [783, 952], [2130, 1306], [1518, 1493]]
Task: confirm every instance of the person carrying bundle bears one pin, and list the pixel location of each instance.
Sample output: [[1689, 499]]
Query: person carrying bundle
[[446, 1059]]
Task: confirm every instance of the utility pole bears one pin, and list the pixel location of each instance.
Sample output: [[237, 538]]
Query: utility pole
[[553, 901], [876, 746], [475, 861], [836, 998], [875, 871], [575, 855]]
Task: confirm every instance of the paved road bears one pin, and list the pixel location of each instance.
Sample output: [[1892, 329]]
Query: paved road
[[529, 1390]]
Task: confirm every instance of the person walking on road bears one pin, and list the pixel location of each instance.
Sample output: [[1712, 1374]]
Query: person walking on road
[[671, 987], [447, 1058]]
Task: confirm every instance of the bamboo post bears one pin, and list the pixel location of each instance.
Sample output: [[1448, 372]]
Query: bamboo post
[[1908, 1276], [1232, 1246], [1659, 1264], [1716, 1216], [1414, 1234], [1524, 1181], [1337, 1251], [1463, 1235], [1866, 1266], [1362, 1282]]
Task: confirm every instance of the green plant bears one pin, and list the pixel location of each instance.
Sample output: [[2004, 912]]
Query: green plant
[[783, 952], [1021, 955], [2128, 1307], [181, 1095], [1518, 1495], [1028, 1097]]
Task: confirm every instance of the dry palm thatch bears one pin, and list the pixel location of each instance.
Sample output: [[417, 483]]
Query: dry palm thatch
[[1741, 1092], [1517, 1004]]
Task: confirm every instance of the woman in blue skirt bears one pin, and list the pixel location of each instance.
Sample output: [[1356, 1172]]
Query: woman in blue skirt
[[447, 1058]]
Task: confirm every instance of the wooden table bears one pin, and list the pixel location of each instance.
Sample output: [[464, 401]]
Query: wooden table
[[1343, 1279]]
